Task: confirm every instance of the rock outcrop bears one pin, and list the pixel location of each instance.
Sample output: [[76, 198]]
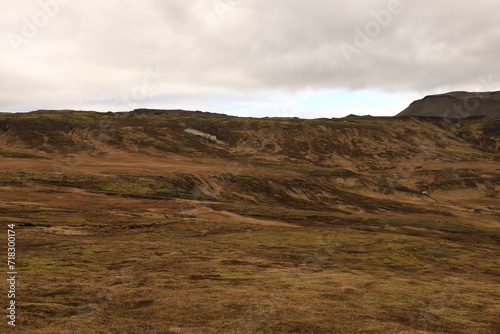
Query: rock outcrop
[[456, 105]]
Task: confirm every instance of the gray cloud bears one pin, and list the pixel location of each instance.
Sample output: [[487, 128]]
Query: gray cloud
[[96, 52]]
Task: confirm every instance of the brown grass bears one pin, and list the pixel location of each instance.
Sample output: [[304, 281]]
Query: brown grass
[[251, 238]]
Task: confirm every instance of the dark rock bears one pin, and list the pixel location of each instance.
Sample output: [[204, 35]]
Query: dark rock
[[456, 105]]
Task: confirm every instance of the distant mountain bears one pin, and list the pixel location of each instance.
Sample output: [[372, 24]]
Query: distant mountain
[[456, 105]]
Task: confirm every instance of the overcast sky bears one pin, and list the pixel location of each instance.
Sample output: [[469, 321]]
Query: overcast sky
[[306, 58]]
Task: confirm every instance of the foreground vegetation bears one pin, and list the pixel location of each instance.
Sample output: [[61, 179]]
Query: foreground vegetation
[[141, 228]]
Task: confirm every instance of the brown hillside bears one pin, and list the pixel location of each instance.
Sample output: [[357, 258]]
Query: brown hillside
[[128, 223], [456, 105]]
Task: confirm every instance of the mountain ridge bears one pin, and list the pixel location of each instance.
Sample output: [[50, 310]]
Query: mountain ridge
[[374, 155], [456, 105]]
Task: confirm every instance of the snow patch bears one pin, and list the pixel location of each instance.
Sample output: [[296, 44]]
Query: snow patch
[[205, 135]]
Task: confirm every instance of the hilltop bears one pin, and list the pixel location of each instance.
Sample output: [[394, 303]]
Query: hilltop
[[174, 221], [456, 105]]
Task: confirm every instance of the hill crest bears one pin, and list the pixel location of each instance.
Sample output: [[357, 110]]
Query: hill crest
[[456, 105]]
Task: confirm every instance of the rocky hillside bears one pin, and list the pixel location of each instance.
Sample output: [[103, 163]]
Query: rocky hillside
[[456, 105], [352, 165], [172, 221]]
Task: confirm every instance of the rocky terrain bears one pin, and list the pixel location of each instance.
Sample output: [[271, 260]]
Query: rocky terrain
[[456, 105], [172, 221]]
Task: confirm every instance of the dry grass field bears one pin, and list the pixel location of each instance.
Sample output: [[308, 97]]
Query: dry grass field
[[125, 223]]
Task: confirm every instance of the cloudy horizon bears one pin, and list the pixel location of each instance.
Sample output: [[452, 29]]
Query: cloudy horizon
[[245, 57]]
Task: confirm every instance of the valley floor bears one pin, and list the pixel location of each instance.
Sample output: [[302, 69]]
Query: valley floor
[[101, 250]]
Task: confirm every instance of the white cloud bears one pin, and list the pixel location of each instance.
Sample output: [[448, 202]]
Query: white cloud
[[91, 53]]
